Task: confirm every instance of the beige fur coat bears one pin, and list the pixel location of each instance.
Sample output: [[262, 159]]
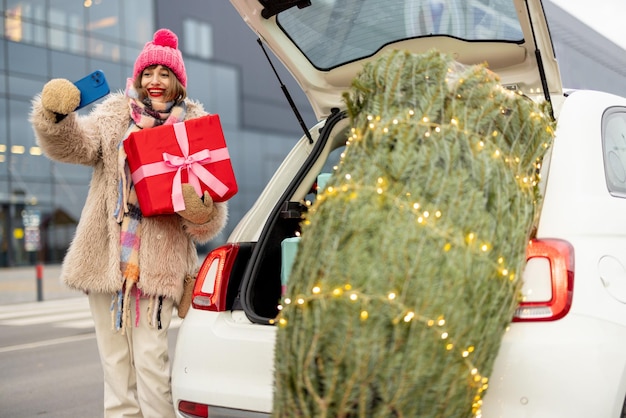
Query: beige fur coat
[[92, 263]]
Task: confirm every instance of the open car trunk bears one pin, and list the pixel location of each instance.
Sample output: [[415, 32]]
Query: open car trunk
[[325, 43]]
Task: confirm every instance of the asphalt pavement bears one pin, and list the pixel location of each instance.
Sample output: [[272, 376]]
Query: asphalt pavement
[[33, 284]]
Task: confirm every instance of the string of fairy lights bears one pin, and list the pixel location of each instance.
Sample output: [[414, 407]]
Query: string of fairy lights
[[407, 315], [349, 189]]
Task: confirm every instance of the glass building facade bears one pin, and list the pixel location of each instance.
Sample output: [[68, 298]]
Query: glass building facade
[[41, 200]]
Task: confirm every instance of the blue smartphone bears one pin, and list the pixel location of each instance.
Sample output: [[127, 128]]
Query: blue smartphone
[[92, 87]]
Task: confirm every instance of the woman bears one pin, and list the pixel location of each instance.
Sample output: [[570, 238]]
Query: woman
[[132, 267]]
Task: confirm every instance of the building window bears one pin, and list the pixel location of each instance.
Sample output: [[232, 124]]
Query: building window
[[94, 28], [198, 39], [23, 22]]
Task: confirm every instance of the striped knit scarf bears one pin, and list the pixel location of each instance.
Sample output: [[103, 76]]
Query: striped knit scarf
[[128, 213]]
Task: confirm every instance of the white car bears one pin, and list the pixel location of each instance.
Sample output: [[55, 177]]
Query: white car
[[565, 353]]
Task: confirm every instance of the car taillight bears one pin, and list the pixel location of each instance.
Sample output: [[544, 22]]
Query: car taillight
[[193, 409], [209, 293], [548, 281]]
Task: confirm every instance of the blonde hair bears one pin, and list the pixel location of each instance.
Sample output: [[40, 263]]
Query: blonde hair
[[175, 92]]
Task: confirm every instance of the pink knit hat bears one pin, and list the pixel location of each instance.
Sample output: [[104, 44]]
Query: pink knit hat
[[162, 50]]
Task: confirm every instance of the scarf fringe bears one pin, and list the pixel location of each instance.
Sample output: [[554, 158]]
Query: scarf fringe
[[150, 310], [126, 309], [137, 310], [154, 312], [121, 312]]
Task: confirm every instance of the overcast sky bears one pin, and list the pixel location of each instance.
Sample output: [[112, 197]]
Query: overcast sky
[[607, 17]]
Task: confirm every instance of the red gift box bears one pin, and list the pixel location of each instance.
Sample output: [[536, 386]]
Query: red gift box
[[162, 158]]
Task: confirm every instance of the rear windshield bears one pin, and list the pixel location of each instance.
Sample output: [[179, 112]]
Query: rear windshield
[[333, 32]]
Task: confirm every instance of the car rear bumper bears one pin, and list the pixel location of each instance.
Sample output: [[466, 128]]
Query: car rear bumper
[[225, 361], [574, 367]]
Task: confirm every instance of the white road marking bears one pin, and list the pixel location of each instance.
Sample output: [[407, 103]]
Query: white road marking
[[64, 313], [45, 343]]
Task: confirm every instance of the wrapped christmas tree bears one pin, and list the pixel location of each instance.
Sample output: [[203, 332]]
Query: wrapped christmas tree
[[408, 271]]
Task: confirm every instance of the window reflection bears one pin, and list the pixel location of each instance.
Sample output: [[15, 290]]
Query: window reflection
[[23, 22], [103, 18], [614, 145], [95, 28]]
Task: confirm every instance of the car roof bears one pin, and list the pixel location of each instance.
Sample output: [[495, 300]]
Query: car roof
[[325, 43]]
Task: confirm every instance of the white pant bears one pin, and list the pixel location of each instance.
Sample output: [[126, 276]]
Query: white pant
[[136, 364]]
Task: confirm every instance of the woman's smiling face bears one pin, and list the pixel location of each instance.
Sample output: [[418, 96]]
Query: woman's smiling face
[[156, 81]]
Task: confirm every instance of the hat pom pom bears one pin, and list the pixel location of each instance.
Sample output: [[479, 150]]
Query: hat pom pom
[[165, 37]]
